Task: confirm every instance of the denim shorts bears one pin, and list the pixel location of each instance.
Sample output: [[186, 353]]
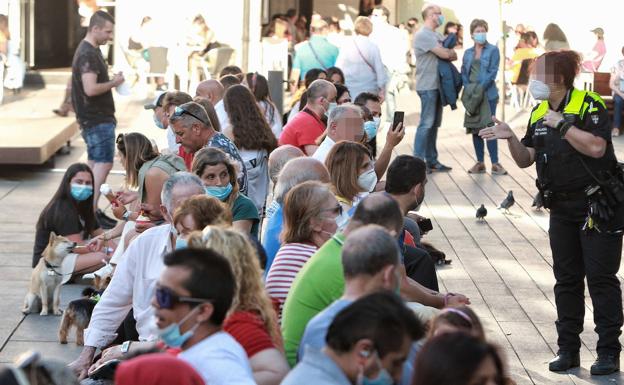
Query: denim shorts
[[100, 140]]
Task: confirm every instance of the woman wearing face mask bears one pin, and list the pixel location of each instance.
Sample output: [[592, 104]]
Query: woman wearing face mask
[[350, 184], [70, 214], [479, 69], [310, 219], [251, 319], [218, 173], [569, 140]]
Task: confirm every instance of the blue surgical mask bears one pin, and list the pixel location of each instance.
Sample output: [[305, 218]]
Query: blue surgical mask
[[171, 335], [331, 107], [157, 122], [81, 192], [383, 378], [370, 128], [181, 243], [480, 37], [219, 192], [441, 19]]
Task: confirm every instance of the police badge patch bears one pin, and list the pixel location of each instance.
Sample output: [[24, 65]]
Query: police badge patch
[[595, 118]]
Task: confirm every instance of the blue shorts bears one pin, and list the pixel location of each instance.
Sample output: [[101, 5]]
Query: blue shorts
[[100, 140]]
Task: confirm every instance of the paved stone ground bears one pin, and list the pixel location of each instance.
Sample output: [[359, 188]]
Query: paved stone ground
[[502, 264]]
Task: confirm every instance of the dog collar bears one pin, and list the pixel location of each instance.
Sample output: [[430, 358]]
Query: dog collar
[[51, 267]]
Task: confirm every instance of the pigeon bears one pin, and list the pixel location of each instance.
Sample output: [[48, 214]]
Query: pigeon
[[481, 212], [507, 202], [537, 201]]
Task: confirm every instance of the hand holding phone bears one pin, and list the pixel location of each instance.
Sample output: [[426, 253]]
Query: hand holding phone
[[399, 116]]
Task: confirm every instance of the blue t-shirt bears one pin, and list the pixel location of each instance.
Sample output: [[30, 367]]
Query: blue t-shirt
[[315, 332], [315, 53], [270, 240]]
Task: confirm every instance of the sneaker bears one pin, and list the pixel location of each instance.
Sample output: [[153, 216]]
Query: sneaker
[[564, 361], [615, 132], [438, 168], [497, 169], [105, 221], [478, 168], [605, 364]]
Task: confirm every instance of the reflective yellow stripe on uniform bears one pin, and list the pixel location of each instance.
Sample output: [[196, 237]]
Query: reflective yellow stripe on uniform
[[576, 106]]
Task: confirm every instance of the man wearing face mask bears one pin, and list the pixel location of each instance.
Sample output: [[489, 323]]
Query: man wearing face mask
[[157, 107], [132, 286], [303, 130], [192, 298], [579, 180], [366, 343], [428, 49]]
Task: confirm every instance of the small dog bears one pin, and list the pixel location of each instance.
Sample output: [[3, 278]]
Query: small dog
[[45, 281], [78, 313]]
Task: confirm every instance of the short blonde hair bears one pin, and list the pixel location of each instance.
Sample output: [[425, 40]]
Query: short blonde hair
[[363, 26]]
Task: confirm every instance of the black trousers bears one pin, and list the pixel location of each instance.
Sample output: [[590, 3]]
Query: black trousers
[[579, 254]]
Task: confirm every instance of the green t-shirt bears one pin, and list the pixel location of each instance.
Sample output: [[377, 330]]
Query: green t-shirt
[[319, 283], [244, 208]]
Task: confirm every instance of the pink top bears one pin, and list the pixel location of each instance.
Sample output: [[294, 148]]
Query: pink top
[[288, 261]]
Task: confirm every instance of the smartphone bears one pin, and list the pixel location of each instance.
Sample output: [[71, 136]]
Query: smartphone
[[106, 371], [425, 225], [398, 118]]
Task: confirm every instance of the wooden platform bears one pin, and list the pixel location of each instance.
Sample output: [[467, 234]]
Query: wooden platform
[[36, 140]]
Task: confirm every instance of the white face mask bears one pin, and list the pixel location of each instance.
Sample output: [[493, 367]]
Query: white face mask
[[539, 89], [368, 180]]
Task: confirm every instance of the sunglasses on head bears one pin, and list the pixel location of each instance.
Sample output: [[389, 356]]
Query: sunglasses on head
[[179, 111], [167, 298]]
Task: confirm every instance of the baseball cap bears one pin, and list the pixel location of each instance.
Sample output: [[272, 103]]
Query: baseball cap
[[158, 102], [598, 31]]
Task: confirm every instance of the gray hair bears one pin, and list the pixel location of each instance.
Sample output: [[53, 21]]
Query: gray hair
[[341, 110], [297, 171], [195, 113], [279, 157], [368, 250], [181, 178]]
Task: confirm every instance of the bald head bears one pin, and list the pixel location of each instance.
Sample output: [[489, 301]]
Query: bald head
[[210, 89], [297, 171], [279, 157], [321, 92], [378, 209]]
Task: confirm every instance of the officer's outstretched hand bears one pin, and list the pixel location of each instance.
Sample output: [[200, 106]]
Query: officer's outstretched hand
[[501, 130]]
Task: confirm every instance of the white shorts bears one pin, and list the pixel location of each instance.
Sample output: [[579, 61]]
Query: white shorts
[[68, 266]]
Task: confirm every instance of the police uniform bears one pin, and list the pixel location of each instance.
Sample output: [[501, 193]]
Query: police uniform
[[578, 251]]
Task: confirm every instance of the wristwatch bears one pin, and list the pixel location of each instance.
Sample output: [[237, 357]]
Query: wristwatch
[[125, 347], [126, 215], [563, 126]]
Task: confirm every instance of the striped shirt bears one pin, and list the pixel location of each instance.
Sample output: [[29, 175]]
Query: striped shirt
[[288, 261]]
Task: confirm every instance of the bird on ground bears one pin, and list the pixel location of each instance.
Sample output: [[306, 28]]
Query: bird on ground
[[538, 203], [507, 202], [481, 213]]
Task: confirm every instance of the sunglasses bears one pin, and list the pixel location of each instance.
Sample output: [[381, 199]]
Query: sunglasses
[[167, 298], [179, 111]]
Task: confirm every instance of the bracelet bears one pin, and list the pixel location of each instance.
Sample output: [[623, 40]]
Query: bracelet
[[563, 130], [126, 215]]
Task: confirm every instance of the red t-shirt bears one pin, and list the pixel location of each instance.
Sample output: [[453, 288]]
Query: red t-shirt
[[248, 330], [303, 130], [187, 156]]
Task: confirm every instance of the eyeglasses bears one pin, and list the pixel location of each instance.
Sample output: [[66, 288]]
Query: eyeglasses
[[179, 111], [337, 210], [167, 298]]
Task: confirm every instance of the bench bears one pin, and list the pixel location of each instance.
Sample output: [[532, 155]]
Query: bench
[[34, 140], [600, 85]]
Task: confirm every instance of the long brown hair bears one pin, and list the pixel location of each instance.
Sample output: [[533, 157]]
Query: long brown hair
[[303, 203], [343, 163], [211, 156], [250, 293], [249, 127], [136, 149]]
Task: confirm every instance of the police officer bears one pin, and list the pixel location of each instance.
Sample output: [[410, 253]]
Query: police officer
[[569, 139]]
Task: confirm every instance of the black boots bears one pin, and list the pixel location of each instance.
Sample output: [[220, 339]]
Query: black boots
[[606, 364], [564, 361]]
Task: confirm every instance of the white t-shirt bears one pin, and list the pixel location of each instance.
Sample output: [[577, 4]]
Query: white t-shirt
[[323, 150], [220, 360]]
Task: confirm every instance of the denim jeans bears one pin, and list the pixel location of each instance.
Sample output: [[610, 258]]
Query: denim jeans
[[618, 104], [492, 145], [100, 140], [427, 131]]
